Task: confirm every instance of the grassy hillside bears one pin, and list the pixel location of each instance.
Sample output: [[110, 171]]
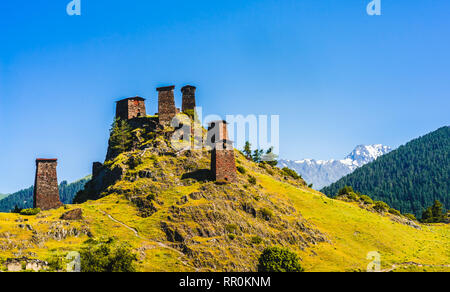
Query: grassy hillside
[[350, 232], [176, 218], [410, 178]]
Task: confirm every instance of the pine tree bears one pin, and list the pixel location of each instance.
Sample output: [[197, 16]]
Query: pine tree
[[270, 157], [257, 155], [248, 150], [121, 138]]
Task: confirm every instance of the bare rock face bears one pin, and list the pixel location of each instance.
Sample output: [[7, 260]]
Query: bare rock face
[[75, 214]]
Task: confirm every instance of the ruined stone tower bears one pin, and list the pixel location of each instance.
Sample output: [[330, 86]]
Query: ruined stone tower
[[46, 193], [166, 105], [188, 98], [217, 131], [223, 163], [130, 108]]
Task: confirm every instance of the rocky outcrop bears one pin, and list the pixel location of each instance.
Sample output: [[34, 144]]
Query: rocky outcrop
[[75, 214]]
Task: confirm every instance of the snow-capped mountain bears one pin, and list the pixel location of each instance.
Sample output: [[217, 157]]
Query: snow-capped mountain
[[322, 173]]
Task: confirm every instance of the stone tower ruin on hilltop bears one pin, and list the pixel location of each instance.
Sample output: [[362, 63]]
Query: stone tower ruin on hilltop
[[166, 105], [130, 108], [223, 163], [46, 193], [188, 103]]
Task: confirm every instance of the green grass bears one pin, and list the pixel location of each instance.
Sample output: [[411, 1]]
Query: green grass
[[278, 200], [354, 232]]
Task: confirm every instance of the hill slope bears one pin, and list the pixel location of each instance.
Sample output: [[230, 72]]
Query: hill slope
[[409, 178], [164, 204], [322, 173], [190, 232], [24, 198]]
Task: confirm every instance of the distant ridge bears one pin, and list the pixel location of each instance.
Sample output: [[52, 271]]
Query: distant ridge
[[409, 178]]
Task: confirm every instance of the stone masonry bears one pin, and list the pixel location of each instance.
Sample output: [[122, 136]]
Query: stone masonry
[[130, 108], [223, 163], [46, 193], [188, 98], [217, 131], [166, 105]]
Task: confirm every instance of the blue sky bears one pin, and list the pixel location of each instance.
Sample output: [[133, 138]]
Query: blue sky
[[336, 76]]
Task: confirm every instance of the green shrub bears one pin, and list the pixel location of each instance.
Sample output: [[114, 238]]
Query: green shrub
[[30, 212], [266, 213], [252, 180], [366, 200], [231, 228], [434, 214], [394, 212], [256, 240], [231, 236], [381, 206], [270, 171], [107, 256], [134, 161], [241, 169], [352, 196], [410, 216], [55, 263], [276, 259], [16, 210], [345, 190], [291, 173]]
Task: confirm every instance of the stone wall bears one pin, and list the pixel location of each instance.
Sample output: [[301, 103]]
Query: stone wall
[[130, 108], [25, 264], [188, 98], [166, 105], [46, 193]]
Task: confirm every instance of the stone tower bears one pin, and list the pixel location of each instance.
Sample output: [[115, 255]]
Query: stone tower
[[166, 105], [46, 193], [130, 108], [188, 98], [223, 163], [217, 131]]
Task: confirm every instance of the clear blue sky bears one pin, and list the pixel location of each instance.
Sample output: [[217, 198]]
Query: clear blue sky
[[336, 76]]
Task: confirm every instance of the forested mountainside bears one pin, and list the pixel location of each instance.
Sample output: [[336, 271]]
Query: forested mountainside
[[410, 178]]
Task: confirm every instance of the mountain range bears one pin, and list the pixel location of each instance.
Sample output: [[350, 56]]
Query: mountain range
[[322, 173]]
